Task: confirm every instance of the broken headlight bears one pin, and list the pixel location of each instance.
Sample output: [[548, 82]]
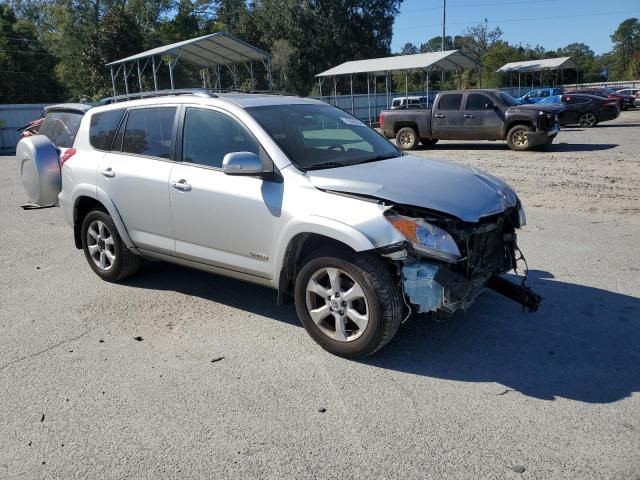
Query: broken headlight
[[426, 237]]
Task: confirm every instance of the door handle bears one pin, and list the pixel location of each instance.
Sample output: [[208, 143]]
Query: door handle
[[108, 172], [467, 115], [181, 185], [439, 115]]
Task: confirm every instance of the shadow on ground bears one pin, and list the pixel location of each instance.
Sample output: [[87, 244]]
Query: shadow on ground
[[554, 147], [583, 344]]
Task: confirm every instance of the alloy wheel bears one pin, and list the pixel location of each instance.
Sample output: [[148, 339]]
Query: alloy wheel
[[101, 245], [337, 304], [588, 120], [520, 138]]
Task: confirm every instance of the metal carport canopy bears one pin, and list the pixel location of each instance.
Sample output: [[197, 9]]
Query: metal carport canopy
[[448, 60], [206, 51], [209, 51], [539, 65]]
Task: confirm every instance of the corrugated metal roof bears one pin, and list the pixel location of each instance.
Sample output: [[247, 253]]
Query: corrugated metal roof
[[207, 51], [448, 60], [537, 65]]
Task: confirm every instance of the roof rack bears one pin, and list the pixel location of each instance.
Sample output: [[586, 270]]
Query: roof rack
[[198, 92]]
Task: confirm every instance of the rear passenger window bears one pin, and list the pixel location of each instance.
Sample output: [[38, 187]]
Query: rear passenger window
[[450, 101], [149, 131], [103, 128], [61, 127], [209, 135]]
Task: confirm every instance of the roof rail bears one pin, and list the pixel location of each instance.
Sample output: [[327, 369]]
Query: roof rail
[[198, 92]]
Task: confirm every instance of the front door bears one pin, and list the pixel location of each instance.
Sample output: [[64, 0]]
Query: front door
[[481, 119], [222, 220], [446, 119], [135, 176]]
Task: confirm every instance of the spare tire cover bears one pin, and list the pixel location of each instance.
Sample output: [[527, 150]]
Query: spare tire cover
[[39, 169]]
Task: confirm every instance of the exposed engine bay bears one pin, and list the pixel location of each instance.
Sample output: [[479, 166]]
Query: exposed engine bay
[[466, 259]]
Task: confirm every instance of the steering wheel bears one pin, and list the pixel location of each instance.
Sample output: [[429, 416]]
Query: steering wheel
[[340, 148]]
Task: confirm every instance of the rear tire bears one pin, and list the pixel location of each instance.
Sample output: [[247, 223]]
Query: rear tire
[[105, 251], [322, 289], [588, 120], [517, 138], [407, 138]]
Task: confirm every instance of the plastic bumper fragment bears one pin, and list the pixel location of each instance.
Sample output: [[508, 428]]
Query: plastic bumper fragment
[[421, 287]]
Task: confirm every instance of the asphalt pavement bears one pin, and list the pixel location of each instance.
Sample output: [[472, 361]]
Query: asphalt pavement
[[181, 374]]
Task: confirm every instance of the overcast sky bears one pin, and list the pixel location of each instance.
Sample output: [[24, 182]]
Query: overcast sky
[[550, 23]]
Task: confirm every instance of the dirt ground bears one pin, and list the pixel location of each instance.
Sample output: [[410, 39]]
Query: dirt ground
[[594, 170]]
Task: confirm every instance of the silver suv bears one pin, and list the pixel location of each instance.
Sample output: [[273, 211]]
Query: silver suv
[[285, 192]]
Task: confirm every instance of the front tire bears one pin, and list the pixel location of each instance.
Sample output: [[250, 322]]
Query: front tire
[[407, 138], [349, 303], [104, 250], [517, 138]]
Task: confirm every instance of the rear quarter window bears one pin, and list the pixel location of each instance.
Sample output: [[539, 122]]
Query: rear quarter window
[[61, 127], [103, 128]]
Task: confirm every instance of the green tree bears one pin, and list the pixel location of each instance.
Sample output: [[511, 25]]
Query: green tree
[[626, 50], [26, 68]]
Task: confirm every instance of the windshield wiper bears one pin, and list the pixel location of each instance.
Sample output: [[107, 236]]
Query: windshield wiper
[[377, 158], [322, 165]]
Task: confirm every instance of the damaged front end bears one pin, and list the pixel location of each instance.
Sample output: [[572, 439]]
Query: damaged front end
[[446, 263]]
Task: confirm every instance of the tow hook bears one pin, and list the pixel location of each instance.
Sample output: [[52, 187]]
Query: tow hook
[[518, 293]]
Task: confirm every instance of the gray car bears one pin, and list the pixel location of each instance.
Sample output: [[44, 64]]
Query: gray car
[[284, 192]]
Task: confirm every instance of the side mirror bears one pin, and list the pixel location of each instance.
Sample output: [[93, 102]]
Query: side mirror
[[242, 163]]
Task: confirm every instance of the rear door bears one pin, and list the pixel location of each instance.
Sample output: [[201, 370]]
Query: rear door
[[446, 120], [135, 175], [481, 120]]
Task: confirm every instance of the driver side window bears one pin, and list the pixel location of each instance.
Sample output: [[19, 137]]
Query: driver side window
[[209, 135]]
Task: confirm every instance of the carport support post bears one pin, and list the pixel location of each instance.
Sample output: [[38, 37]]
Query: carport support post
[[406, 89], [126, 82], [139, 74], [335, 91], [155, 71], [352, 103], [113, 81], [369, 99], [375, 96], [320, 87], [171, 73], [386, 83]]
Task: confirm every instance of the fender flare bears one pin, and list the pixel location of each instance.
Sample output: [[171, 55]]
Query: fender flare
[[321, 226], [91, 191]]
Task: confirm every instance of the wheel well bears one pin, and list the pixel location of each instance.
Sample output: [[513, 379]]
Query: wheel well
[[399, 125], [300, 247], [524, 123], [83, 206]]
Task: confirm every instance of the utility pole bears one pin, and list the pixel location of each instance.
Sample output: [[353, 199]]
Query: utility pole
[[444, 20]]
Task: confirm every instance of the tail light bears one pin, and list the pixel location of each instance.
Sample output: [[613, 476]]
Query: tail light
[[70, 152], [381, 120]]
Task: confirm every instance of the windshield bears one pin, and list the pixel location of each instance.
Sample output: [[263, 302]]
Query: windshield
[[321, 136], [508, 100], [551, 99]]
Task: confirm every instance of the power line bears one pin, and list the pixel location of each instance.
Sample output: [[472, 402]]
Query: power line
[[528, 19], [466, 5]]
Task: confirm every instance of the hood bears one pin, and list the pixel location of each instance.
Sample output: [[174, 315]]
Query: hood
[[459, 191], [543, 107]]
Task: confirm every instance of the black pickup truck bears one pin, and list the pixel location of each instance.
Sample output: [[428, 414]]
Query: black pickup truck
[[473, 115]]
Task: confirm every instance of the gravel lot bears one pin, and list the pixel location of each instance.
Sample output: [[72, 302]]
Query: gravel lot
[[485, 395]]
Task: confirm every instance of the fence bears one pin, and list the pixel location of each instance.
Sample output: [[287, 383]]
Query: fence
[[13, 117]]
